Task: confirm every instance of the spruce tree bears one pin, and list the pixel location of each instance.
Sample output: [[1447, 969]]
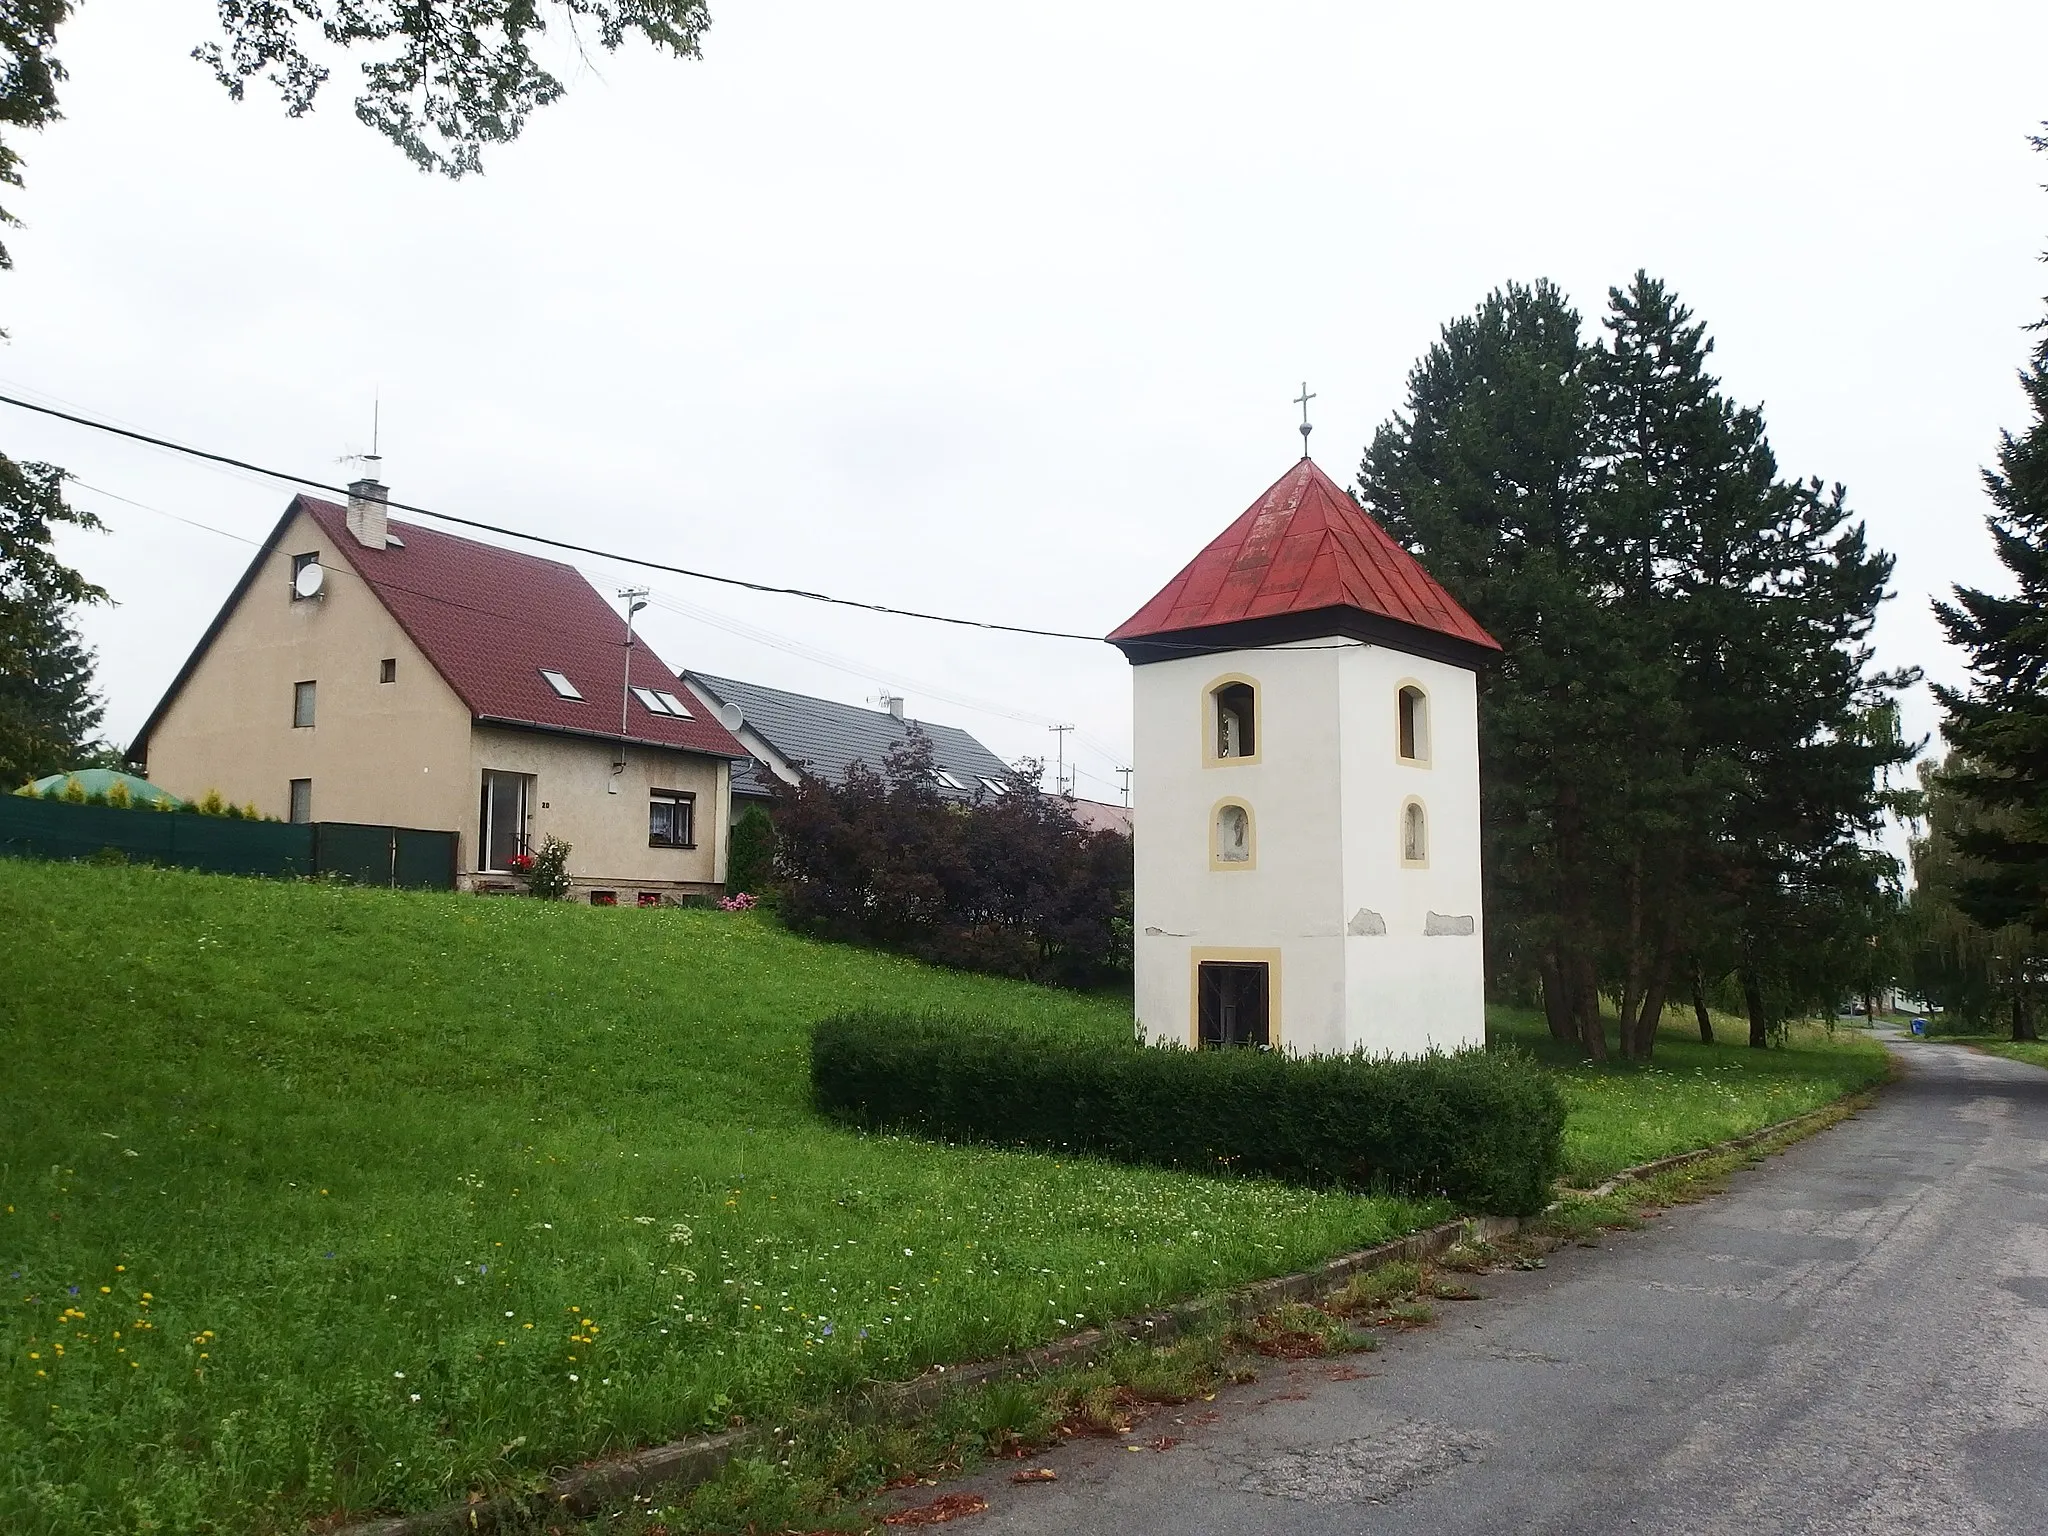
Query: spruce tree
[[1998, 726]]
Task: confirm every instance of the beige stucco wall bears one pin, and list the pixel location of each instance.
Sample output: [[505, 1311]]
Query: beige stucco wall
[[393, 752], [608, 832]]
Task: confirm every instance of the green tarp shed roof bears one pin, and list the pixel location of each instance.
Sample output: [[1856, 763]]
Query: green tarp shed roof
[[97, 781]]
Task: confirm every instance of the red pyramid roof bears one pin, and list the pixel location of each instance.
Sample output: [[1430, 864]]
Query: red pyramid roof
[[1302, 546]]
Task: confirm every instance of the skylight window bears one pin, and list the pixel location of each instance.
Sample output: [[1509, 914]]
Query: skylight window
[[994, 786], [561, 684], [947, 779], [659, 701]]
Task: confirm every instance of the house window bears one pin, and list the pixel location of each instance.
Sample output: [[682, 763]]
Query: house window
[[299, 563], [1414, 834], [1412, 709], [387, 670], [1231, 844], [301, 800], [948, 780], [560, 683], [501, 819], [302, 705], [1233, 999], [671, 819], [1233, 721], [994, 786]]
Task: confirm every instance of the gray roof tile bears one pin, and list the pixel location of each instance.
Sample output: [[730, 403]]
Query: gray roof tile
[[827, 738]]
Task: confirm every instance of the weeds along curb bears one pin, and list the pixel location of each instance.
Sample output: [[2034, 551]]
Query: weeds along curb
[[686, 1463]]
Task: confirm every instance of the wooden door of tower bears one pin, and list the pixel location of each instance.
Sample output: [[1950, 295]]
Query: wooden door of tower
[[1233, 1003]]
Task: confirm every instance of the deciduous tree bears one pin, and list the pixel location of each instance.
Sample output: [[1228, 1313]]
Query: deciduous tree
[[48, 713]]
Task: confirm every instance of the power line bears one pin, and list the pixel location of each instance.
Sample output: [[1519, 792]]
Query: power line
[[1192, 647], [535, 538], [670, 603]]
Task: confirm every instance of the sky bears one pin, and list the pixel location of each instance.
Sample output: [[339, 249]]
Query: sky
[[1001, 311]]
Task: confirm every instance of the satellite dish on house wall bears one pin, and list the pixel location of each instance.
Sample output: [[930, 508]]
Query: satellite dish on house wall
[[309, 580], [730, 717]]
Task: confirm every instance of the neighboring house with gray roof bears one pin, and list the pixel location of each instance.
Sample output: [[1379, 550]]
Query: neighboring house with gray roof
[[793, 733]]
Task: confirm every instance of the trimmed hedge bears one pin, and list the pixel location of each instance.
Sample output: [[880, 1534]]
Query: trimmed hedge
[[1485, 1129]]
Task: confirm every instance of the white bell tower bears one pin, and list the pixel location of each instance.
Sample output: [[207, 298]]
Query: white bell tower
[[1307, 754]]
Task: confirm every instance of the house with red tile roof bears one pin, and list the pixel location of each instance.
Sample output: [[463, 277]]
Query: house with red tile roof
[[1307, 754], [369, 670]]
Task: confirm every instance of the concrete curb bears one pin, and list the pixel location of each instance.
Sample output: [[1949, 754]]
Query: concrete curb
[[686, 1463]]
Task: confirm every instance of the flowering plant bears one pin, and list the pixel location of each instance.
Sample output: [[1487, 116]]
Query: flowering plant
[[522, 863], [739, 901], [547, 872]]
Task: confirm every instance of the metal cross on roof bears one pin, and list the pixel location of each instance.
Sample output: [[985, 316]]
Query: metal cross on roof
[[1302, 400]]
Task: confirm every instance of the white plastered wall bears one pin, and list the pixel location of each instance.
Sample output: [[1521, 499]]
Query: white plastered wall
[[1326, 790], [1408, 990]]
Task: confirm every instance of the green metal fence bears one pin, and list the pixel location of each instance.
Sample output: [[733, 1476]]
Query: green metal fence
[[369, 855], [375, 855]]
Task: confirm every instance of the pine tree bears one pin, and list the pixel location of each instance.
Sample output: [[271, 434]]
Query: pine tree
[[1999, 724], [1677, 765], [48, 712], [1486, 475], [1755, 775]]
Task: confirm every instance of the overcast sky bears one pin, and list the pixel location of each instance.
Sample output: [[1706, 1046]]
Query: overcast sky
[[1000, 310]]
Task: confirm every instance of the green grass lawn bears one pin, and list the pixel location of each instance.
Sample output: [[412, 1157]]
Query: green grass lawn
[[1690, 1095], [316, 1199]]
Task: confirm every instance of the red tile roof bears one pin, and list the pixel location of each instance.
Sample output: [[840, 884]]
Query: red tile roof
[[1304, 545], [489, 619]]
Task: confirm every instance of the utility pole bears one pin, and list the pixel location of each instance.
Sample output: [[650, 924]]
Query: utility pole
[[635, 598], [1125, 773], [1060, 783]]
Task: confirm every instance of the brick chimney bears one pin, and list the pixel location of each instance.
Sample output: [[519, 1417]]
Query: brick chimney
[[367, 515]]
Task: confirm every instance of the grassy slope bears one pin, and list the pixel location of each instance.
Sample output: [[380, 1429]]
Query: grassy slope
[[1691, 1094], [358, 1146], [338, 1136]]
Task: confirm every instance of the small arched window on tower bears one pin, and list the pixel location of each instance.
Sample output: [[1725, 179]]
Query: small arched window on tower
[[1232, 847], [1235, 706], [1414, 835], [1413, 724]]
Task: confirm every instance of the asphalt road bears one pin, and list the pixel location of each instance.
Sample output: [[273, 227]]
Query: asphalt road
[[1853, 1339]]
